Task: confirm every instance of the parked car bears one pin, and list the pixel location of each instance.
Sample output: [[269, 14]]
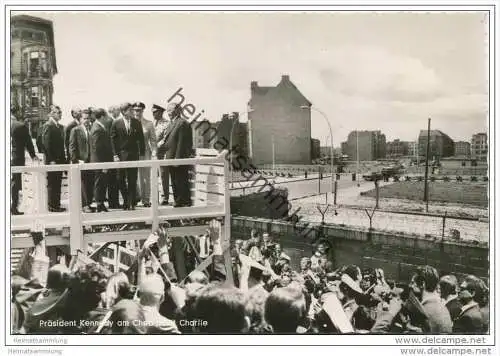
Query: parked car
[[372, 176]]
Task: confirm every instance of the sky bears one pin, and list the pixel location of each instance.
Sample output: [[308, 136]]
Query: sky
[[365, 71]]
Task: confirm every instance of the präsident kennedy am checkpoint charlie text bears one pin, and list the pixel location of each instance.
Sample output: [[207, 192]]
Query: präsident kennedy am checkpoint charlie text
[[305, 183]]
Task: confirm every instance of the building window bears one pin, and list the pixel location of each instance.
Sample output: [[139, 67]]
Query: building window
[[44, 99], [463, 163], [34, 97], [35, 36], [38, 64]]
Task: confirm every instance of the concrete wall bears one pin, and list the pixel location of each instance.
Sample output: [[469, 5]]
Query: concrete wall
[[397, 254]]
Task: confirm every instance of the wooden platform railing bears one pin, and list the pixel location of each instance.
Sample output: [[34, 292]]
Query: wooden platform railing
[[210, 195]]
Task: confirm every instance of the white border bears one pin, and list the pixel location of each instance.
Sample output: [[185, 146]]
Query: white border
[[244, 339]]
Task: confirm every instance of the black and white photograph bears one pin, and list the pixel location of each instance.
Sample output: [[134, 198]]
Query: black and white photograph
[[191, 175]]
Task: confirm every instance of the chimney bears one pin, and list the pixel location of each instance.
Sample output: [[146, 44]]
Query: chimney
[[253, 85], [285, 78]]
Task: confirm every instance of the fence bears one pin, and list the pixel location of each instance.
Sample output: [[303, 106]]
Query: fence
[[436, 226], [209, 192]]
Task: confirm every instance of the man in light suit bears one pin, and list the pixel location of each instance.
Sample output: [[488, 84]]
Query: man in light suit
[[179, 144], [127, 142], [150, 152], [79, 152], [101, 151], [162, 130], [77, 118]]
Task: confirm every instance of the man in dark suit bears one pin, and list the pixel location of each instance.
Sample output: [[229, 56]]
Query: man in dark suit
[[100, 151], [448, 286], [473, 296], [424, 285], [20, 141], [113, 188], [53, 145], [127, 141], [79, 152], [77, 116], [179, 144]]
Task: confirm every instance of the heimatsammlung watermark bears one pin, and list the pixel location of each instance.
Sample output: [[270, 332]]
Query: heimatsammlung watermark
[[242, 164]]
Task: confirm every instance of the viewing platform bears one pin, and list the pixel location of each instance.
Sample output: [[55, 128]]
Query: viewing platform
[[209, 191]]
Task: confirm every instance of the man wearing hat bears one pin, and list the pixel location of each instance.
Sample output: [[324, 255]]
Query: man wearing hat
[[179, 144], [150, 152], [76, 114], [127, 141], [162, 130]]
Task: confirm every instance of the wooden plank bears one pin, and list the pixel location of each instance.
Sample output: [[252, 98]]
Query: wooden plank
[[27, 242], [51, 220], [142, 234]]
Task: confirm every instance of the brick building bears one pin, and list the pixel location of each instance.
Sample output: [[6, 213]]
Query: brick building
[[462, 148], [441, 145], [279, 115], [204, 133], [370, 145], [397, 148], [479, 146], [33, 65], [315, 148]]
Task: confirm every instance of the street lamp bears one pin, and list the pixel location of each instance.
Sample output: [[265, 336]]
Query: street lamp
[[231, 145], [305, 107]]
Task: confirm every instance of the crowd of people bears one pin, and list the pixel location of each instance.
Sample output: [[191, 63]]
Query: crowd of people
[[261, 295], [95, 135]]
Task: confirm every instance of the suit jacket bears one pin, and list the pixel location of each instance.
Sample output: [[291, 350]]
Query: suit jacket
[[100, 143], [470, 320], [179, 140], [454, 307], [148, 130], [67, 135], [128, 146], [53, 142], [79, 144], [162, 129], [438, 317], [20, 141]]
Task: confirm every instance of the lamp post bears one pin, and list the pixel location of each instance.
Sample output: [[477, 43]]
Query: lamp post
[[331, 140], [231, 145]]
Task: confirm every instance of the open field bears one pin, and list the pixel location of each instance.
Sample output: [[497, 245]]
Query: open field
[[446, 192]]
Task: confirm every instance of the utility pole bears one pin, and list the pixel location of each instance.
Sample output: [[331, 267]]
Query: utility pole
[[426, 188], [274, 158], [357, 157]]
